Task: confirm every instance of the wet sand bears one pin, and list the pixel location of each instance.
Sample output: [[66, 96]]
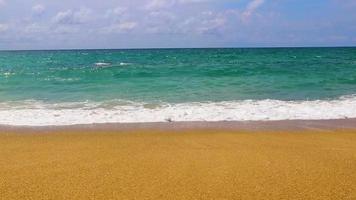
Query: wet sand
[[224, 160]]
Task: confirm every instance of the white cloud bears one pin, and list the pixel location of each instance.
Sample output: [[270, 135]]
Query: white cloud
[[160, 22], [121, 27], [212, 26], [251, 8], [205, 23], [3, 27], [63, 17], [116, 12], [38, 9], [126, 26], [161, 4], [162, 16], [72, 17], [168, 22], [83, 15], [35, 28], [66, 30]]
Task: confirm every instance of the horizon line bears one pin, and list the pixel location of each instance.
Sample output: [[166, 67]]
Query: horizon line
[[167, 48]]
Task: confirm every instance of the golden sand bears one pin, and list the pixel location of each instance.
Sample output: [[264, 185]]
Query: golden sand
[[189, 165]]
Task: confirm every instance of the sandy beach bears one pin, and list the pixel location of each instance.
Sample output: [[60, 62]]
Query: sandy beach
[[178, 100], [266, 160]]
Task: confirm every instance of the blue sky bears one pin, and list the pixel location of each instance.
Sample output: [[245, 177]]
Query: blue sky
[[67, 24]]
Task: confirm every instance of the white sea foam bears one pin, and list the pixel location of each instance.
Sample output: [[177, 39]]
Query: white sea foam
[[106, 64], [124, 64], [36, 113], [102, 64], [7, 74]]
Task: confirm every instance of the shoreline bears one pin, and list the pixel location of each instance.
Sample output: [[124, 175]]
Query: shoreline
[[281, 125], [40, 113]]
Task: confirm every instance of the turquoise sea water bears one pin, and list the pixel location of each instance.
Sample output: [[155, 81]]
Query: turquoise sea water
[[175, 76]]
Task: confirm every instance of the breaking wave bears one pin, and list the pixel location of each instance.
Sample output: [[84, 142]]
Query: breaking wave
[[39, 113]]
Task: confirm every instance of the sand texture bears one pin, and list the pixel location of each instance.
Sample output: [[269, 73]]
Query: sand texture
[[189, 164]]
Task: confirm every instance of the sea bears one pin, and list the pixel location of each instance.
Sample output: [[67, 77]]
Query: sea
[[66, 87]]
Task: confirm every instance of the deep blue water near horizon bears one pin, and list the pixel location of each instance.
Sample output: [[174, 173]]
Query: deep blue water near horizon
[[178, 75]]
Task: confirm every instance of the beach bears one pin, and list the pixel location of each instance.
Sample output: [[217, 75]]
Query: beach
[[178, 100], [197, 160], [205, 123]]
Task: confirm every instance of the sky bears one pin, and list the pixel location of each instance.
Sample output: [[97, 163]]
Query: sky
[[90, 24]]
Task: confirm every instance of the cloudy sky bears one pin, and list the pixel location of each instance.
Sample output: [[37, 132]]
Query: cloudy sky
[[58, 24]]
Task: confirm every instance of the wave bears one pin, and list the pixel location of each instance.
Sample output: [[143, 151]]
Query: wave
[[59, 79], [102, 64], [124, 64], [7, 74], [37, 113], [106, 64]]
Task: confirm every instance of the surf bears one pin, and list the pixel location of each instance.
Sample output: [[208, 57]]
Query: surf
[[39, 113]]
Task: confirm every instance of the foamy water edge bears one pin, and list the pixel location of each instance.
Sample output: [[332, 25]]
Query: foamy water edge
[[36, 113]]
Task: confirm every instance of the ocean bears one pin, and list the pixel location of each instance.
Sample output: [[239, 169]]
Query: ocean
[[65, 87]]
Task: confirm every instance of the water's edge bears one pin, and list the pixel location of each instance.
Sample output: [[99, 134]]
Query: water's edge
[[36, 113], [281, 125]]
